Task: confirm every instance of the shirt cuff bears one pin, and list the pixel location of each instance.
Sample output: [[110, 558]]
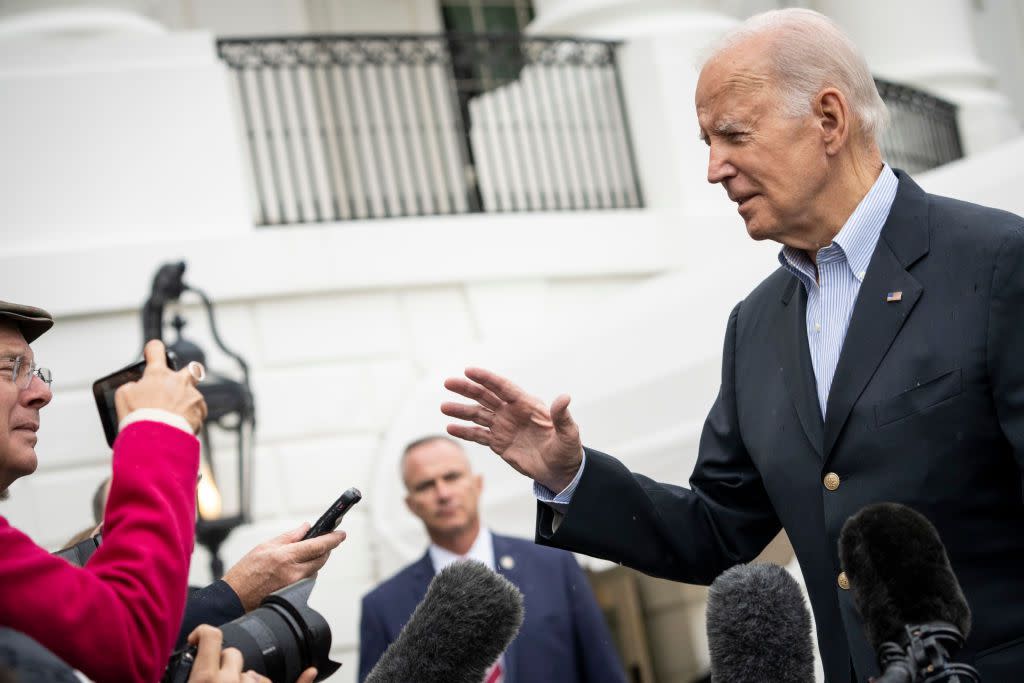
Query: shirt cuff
[[560, 502], [156, 415]]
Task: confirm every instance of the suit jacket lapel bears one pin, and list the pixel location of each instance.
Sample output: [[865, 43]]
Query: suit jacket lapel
[[875, 321], [501, 552], [422, 575], [797, 371]]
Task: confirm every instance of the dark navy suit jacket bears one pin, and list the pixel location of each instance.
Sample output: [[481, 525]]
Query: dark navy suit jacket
[[216, 604], [564, 638], [926, 409]]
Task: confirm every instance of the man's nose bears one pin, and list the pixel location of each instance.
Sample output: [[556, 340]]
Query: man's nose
[[719, 166], [36, 395]]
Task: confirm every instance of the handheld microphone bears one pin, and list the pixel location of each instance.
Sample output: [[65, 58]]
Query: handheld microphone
[[467, 619], [904, 588], [759, 627]]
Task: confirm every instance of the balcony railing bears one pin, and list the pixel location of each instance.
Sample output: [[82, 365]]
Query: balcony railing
[[345, 127], [922, 131]]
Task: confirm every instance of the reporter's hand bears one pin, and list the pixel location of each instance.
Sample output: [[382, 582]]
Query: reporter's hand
[[162, 388], [542, 443], [279, 562], [214, 665]]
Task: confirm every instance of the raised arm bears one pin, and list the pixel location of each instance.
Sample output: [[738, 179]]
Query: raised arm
[[117, 618], [538, 441]]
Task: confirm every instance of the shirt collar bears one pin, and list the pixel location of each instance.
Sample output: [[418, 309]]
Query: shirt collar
[[482, 551], [858, 236]]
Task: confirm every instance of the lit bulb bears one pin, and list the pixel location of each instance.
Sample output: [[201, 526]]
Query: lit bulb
[[207, 494]]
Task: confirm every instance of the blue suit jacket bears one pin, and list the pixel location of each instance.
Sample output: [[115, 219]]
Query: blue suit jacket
[[563, 638]]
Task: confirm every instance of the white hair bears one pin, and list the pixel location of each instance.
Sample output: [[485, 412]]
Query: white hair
[[811, 52]]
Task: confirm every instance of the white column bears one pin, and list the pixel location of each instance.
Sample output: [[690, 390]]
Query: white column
[[929, 44], [21, 19], [117, 134], [658, 67]]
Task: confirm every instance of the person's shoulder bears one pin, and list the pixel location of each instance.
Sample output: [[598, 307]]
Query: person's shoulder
[[772, 286], [383, 591], [960, 220], [526, 548], [523, 545], [757, 306]]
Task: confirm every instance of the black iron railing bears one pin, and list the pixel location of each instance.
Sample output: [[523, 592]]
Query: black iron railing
[[922, 132], [343, 127]]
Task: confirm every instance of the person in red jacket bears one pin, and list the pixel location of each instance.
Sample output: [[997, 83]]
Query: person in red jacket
[[117, 618]]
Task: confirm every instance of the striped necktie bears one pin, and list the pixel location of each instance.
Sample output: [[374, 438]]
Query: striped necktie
[[495, 674]]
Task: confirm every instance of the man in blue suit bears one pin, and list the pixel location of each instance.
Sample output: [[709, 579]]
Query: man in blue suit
[[563, 638]]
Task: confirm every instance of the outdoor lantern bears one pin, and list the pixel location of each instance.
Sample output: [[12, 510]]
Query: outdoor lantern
[[223, 493]]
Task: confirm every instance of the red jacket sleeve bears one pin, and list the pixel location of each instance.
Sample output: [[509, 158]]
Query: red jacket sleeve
[[116, 619]]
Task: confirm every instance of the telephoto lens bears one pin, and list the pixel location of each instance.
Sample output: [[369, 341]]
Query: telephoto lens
[[280, 639]]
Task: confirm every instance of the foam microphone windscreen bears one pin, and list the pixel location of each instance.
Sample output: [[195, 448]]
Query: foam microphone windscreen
[[759, 627], [467, 619], [899, 573]]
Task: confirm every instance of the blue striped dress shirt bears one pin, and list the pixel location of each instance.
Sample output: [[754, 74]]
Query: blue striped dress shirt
[[840, 271], [841, 267]]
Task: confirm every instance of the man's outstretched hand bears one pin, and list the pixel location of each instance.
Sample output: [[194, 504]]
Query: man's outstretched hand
[[541, 442], [280, 562]]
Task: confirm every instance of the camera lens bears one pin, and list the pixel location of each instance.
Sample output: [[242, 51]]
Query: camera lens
[[283, 636], [279, 639], [269, 642]]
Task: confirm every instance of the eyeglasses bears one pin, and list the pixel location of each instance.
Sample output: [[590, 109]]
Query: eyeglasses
[[21, 373]]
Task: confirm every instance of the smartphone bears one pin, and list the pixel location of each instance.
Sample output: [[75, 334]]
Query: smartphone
[[330, 520], [104, 388]]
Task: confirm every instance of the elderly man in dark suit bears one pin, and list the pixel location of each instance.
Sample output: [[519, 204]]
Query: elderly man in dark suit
[[881, 362], [563, 638]]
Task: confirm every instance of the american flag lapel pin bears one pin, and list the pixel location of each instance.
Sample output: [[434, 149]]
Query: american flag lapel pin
[[893, 296]]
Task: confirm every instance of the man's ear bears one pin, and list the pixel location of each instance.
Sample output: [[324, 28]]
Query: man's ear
[[833, 113]]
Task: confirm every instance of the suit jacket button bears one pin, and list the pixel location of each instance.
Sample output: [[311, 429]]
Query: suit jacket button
[[831, 481], [843, 582]]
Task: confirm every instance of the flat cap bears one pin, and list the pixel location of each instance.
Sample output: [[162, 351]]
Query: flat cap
[[30, 320]]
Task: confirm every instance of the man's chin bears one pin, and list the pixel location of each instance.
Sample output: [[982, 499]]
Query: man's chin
[[23, 464], [756, 234], [450, 528], [759, 232]]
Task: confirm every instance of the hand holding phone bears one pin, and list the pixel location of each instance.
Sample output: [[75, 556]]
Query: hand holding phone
[[151, 383], [330, 520]]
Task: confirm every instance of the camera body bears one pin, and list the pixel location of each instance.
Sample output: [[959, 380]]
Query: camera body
[[279, 639]]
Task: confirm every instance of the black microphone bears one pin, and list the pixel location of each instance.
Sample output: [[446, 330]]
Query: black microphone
[[759, 627], [904, 588], [467, 619]]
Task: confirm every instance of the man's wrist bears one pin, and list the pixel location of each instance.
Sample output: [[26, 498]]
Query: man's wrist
[[156, 415], [235, 584], [563, 496]]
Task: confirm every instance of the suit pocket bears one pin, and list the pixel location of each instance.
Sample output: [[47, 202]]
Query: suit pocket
[[920, 397], [1002, 662]]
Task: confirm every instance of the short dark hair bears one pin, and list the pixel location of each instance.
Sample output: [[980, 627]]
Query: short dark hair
[[430, 438], [422, 441]]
